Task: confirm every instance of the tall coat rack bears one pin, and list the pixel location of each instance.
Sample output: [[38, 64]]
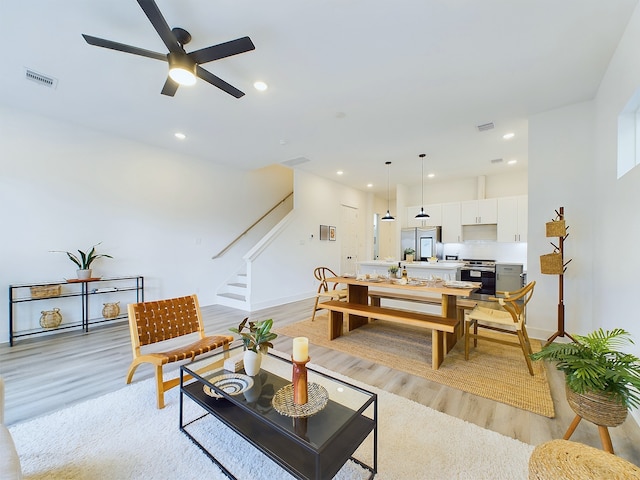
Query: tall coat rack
[[554, 264]]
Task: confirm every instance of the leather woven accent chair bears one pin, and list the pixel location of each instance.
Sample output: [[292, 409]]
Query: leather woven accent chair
[[508, 316], [325, 290], [162, 320]]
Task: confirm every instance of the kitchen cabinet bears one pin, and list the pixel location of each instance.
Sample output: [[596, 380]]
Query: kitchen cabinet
[[479, 212], [435, 216], [513, 218], [451, 225]]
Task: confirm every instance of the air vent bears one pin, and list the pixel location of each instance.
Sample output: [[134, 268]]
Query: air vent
[[486, 126], [497, 160], [41, 79], [295, 161]]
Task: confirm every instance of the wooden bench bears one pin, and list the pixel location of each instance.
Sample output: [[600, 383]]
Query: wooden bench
[[462, 304], [162, 320], [443, 330]]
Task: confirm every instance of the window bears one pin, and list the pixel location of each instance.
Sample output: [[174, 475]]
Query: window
[[629, 135]]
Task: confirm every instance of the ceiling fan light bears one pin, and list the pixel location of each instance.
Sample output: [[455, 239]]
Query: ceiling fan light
[[182, 69]]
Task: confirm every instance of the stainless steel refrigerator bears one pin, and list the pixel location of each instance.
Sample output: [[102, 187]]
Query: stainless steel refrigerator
[[425, 241], [509, 277]]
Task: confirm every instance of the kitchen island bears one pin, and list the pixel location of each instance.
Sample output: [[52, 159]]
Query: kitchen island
[[446, 270]]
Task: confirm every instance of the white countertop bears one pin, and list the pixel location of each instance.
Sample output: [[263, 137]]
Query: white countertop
[[444, 265]]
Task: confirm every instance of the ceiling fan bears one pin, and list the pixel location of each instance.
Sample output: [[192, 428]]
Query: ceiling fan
[[183, 66]]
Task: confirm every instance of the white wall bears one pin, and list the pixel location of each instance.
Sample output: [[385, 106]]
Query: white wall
[[561, 160], [616, 256], [161, 215], [284, 271], [572, 163]]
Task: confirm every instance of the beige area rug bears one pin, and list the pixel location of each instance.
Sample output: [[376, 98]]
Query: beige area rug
[[494, 371]]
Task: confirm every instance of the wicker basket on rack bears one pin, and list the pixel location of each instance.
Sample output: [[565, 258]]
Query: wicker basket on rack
[[551, 264], [51, 318], [556, 228], [45, 291]]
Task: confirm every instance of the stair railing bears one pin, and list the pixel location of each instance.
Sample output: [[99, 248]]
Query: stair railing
[[235, 240]]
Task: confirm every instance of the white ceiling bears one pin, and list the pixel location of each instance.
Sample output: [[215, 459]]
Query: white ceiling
[[352, 83]]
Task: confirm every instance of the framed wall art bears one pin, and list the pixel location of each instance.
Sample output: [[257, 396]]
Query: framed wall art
[[324, 232], [332, 234]]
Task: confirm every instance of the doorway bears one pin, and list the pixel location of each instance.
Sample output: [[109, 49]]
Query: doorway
[[349, 239]]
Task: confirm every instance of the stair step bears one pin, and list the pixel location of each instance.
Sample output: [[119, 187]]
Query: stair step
[[233, 296], [237, 284]]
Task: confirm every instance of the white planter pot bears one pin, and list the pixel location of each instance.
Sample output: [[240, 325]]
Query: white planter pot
[[83, 274], [252, 362]]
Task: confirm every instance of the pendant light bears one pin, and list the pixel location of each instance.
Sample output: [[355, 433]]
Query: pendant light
[[422, 214], [387, 217]]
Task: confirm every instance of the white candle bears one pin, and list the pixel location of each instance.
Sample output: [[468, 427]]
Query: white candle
[[300, 349]]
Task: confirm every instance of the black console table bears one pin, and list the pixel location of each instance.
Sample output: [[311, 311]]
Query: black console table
[[65, 295]]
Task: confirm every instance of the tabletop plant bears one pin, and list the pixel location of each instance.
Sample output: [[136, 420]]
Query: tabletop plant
[[595, 363], [393, 270], [84, 260], [258, 336]]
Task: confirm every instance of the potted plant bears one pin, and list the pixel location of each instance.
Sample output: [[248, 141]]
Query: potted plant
[[257, 340], [602, 382], [84, 260], [393, 271], [409, 254]]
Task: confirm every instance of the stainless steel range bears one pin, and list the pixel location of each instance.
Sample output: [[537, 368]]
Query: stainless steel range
[[483, 271]]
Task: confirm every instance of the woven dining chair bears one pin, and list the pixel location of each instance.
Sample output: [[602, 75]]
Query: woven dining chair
[[508, 316], [324, 290]]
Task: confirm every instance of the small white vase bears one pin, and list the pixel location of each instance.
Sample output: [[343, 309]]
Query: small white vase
[[252, 362], [83, 274]]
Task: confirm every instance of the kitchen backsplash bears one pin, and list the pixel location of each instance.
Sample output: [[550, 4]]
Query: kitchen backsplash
[[498, 251]]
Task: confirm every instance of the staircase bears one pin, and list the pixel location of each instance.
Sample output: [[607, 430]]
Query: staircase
[[235, 293]]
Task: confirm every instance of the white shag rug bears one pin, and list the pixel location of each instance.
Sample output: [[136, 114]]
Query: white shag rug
[[122, 435]]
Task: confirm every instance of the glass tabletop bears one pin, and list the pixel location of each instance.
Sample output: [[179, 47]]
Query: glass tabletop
[[346, 403]]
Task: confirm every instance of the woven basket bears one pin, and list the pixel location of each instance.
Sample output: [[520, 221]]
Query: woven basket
[[551, 264], [45, 291], [598, 408], [111, 310], [556, 228], [51, 318]]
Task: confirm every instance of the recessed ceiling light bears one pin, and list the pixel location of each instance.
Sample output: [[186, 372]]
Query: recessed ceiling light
[[512, 162], [260, 86], [508, 136], [180, 136], [339, 172], [369, 185], [431, 175]]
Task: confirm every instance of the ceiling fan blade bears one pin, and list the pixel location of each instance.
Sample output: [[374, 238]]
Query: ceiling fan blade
[[222, 50], [170, 87], [152, 12], [218, 82], [121, 47]]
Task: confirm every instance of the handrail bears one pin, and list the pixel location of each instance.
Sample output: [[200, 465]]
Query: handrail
[[224, 250]]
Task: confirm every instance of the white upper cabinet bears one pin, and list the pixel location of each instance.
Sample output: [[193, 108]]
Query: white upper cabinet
[[435, 216], [451, 226], [513, 218], [475, 212]]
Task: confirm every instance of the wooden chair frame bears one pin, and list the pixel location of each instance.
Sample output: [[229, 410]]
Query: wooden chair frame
[[512, 315], [157, 321], [321, 274]]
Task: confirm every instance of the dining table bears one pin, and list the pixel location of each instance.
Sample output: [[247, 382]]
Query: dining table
[[411, 289]]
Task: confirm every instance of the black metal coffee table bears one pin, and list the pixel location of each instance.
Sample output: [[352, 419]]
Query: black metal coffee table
[[308, 447]]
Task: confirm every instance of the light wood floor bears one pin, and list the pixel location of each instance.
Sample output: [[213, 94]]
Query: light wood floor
[[52, 372]]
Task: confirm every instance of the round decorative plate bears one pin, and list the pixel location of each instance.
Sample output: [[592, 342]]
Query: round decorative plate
[[230, 383]]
